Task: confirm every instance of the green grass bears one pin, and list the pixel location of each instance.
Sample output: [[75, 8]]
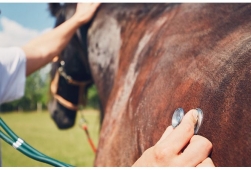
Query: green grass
[[38, 130]]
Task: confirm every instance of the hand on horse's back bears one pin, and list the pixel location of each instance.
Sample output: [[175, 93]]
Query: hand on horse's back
[[179, 147]]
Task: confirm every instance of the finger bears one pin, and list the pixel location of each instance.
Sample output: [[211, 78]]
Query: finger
[[168, 131], [182, 134], [96, 4], [206, 163], [198, 150]]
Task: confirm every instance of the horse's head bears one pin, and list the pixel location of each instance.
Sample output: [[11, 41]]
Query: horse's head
[[70, 73]]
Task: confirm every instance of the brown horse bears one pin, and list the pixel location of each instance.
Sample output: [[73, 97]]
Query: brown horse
[[149, 59]]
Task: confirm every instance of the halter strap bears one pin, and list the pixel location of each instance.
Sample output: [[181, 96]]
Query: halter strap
[[66, 103], [69, 78], [60, 99]]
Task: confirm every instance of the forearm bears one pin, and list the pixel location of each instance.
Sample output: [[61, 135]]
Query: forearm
[[42, 49]]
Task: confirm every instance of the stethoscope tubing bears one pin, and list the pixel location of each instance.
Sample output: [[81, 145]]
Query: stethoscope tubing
[[26, 149]]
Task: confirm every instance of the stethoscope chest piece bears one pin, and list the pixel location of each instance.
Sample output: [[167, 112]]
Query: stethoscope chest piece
[[177, 117], [179, 114], [199, 121]]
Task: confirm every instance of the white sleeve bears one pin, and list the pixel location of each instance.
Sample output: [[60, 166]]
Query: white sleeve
[[12, 73]]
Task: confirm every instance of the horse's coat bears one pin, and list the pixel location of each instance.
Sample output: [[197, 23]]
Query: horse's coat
[[165, 56], [149, 59]]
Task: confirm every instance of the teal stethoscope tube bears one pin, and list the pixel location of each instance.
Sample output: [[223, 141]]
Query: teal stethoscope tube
[[26, 149]]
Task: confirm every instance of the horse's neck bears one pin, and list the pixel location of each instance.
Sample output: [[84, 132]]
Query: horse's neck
[[114, 56], [106, 40], [146, 62]]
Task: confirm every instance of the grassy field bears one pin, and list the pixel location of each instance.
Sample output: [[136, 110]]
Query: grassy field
[[38, 129]]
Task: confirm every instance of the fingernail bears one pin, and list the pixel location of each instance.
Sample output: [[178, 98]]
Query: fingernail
[[195, 115]]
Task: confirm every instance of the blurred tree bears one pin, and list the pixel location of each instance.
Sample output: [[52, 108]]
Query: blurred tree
[[92, 98], [37, 91]]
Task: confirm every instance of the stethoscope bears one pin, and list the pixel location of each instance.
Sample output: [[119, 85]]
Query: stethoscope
[[26, 149], [31, 152], [179, 114]]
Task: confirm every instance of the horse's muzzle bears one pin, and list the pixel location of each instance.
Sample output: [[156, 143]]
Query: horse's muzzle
[[63, 117]]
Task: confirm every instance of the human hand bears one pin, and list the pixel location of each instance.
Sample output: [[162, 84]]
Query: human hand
[[85, 11], [179, 146]]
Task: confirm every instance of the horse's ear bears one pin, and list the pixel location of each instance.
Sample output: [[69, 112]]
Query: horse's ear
[[54, 8]]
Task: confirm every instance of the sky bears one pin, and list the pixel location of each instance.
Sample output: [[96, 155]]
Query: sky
[[21, 22]]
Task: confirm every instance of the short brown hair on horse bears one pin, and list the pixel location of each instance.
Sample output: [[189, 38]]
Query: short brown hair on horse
[[147, 60]]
